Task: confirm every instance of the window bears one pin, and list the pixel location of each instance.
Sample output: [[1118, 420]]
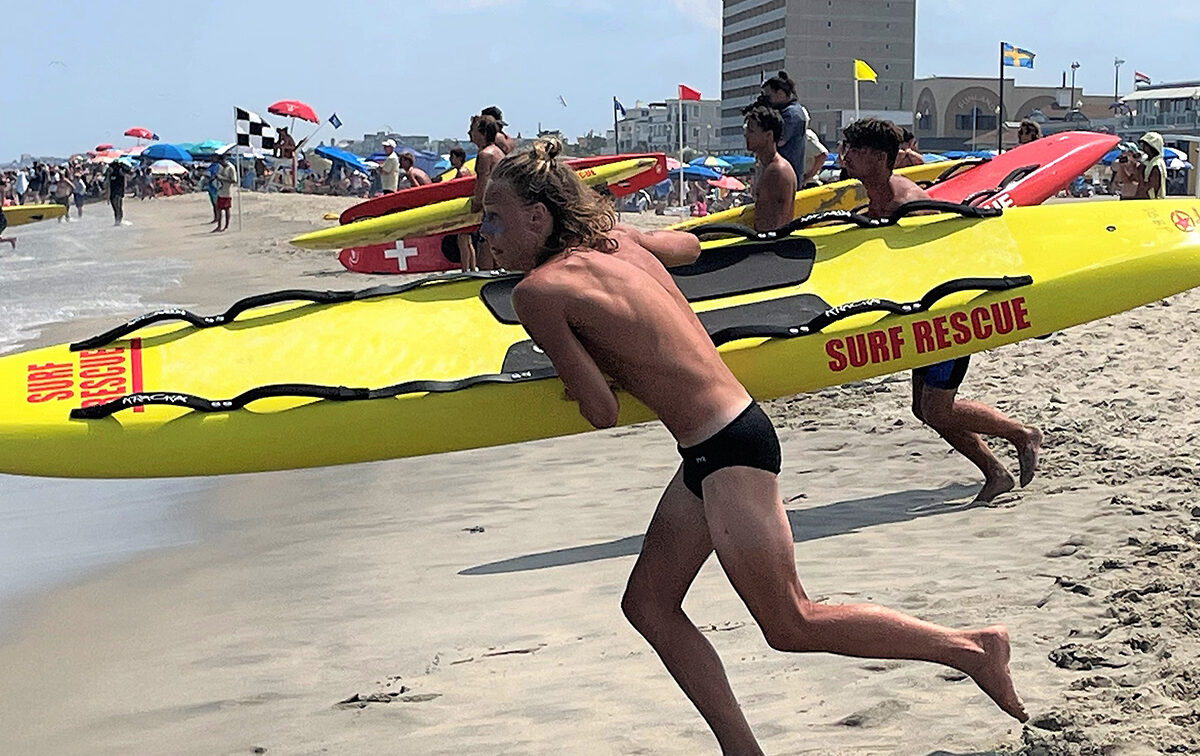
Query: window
[[980, 122]]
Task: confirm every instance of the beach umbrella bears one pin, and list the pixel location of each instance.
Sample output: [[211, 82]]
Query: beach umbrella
[[103, 146], [207, 147], [831, 161], [1176, 164], [164, 151], [294, 109], [168, 167], [727, 182], [140, 132], [673, 164], [711, 161], [695, 173], [933, 157], [107, 156], [351, 160]]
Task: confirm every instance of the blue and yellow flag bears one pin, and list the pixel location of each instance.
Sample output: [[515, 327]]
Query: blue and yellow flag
[[1015, 56]]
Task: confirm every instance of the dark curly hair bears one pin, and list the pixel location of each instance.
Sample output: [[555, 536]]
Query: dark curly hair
[[875, 134], [767, 119]]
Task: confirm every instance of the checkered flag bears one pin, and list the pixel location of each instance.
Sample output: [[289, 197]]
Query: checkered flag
[[253, 131]]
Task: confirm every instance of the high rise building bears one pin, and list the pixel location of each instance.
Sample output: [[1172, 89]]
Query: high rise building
[[816, 42]]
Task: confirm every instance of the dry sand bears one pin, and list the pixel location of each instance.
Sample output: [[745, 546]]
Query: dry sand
[[468, 603]]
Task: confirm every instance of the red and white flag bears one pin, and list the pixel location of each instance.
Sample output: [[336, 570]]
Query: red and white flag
[[1140, 78], [687, 93]]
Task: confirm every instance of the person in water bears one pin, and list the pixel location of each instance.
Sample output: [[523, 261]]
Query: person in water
[[597, 299], [870, 152]]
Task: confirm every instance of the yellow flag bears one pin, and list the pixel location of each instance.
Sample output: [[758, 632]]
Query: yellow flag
[[863, 72]]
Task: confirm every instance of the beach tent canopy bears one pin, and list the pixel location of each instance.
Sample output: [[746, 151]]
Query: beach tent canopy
[[337, 155], [164, 151]]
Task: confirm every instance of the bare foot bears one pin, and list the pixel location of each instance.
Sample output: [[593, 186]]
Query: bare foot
[[992, 674], [1029, 454], [1000, 482]]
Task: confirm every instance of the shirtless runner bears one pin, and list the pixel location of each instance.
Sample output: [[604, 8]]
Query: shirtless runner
[[598, 301], [869, 153]]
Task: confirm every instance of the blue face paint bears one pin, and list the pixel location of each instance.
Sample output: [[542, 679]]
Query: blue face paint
[[491, 225]]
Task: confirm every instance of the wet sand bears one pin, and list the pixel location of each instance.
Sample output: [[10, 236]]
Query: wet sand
[[469, 603]]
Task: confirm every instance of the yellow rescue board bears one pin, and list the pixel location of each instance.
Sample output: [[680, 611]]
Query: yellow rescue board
[[839, 195], [1083, 261], [19, 215], [443, 217]]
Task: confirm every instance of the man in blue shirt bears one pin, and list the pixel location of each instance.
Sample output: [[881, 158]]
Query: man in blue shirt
[[780, 92]]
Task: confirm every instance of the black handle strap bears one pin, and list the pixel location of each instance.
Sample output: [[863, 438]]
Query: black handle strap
[[841, 312], [271, 298], [723, 336]]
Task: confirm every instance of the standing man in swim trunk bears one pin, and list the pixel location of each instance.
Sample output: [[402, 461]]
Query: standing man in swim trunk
[[483, 133], [869, 155], [775, 183], [597, 299]]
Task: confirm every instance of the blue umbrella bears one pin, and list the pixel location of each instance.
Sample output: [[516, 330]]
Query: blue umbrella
[[933, 157], [354, 162], [695, 173], [165, 151]]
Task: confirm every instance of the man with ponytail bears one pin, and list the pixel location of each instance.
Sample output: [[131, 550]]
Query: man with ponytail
[[597, 299], [780, 92]]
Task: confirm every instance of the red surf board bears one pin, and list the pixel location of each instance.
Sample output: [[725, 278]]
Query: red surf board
[[425, 254], [1029, 174], [418, 255], [419, 196]]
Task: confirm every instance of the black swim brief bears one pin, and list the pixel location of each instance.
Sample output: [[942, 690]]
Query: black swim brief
[[748, 441], [944, 375]]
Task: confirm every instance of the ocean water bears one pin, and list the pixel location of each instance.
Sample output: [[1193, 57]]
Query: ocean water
[[55, 530]]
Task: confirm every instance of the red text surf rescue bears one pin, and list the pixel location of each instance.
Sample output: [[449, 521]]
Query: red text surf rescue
[[927, 335]]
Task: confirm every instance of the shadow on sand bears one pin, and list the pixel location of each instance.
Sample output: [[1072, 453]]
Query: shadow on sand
[[824, 521]]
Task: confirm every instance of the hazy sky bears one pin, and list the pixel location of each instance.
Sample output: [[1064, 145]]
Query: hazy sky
[[74, 75]]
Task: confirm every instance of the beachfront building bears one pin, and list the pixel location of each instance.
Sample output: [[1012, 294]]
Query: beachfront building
[[961, 112], [654, 127], [816, 42], [1169, 108]]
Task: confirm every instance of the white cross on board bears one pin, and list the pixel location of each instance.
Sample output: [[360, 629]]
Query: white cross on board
[[401, 255]]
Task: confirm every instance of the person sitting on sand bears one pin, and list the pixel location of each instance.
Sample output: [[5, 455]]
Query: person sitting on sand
[[870, 150], [597, 299], [774, 189], [416, 176]]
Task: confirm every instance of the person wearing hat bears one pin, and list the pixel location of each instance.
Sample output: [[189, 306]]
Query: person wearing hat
[[503, 141], [389, 170], [1150, 172]]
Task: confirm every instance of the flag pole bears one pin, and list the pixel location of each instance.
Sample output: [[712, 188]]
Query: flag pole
[[854, 72], [616, 138], [1000, 113], [681, 201]]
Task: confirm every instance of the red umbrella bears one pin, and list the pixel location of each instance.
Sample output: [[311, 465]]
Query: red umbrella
[[138, 132], [727, 182], [103, 146], [294, 109]]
